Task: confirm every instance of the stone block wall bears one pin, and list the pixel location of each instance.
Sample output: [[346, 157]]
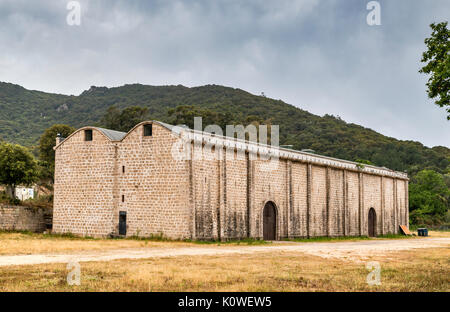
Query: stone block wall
[[353, 200], [299, 200], [153, 187], [221, 197], [19, 218], [84, 185]]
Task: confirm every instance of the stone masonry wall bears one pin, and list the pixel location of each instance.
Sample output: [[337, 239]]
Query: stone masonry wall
[[84, 184], [402, 214], [230, 196], [270, 185], [372, 199], [234, 219], [205, 174], [213, 198], [299, 200], [153, 187], [352, 187], [318, 209], [18, 218], [389, 222]]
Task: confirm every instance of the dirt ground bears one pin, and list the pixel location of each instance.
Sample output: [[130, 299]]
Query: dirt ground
[[36, 262], [354, 251]]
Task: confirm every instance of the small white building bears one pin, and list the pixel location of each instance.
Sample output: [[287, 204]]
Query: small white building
[[24, 193]]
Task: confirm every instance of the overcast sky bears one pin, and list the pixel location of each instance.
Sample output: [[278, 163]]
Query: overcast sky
[[321, 56]]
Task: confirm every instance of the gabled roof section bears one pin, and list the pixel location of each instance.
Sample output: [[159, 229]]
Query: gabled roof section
[[112, 134]]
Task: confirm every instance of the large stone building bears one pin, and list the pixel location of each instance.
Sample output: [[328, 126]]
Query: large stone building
[[112, 183]]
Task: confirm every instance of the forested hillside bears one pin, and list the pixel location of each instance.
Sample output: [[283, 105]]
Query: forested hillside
[[25, 114]]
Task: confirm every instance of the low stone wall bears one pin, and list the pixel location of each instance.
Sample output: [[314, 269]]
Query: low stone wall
[[19, 218]]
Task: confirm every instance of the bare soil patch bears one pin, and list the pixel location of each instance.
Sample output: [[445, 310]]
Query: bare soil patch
[[355, 251]]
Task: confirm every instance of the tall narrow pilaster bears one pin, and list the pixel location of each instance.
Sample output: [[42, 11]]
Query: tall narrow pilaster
[[382, 204], [308, 200], [327, 187], [361, 203]]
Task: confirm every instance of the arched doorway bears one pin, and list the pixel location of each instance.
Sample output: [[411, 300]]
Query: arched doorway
[[372, 223], [270, 221]]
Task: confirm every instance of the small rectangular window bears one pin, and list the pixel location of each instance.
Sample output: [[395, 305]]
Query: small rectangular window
[[123, 198], [88, 135], [148, 130], [123, 169]]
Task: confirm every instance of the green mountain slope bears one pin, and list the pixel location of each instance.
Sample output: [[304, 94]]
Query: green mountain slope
[[25, 114]]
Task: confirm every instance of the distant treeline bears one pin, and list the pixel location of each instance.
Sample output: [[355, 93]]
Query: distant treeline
[[25, 114]]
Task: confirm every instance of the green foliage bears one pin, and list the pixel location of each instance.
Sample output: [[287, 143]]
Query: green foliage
[[41, 202], [25, 114], [429, 198], [437, 59], [364, 161], [7, 199], [46, 152], [184, 115], [124, 120], [17, 166]]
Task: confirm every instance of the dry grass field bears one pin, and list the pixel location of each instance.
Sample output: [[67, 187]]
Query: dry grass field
[[16, 243], [426, 269], [28, 243]]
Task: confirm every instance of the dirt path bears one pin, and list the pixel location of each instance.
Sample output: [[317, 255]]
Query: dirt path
[[350, 250]]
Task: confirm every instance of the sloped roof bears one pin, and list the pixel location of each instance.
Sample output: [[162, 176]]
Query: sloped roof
[[112, 134], [226, 141], [175, 129]]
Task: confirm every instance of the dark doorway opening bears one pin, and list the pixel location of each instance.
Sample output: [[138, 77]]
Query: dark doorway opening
[[372, 223], [270, 221], [122, 223]]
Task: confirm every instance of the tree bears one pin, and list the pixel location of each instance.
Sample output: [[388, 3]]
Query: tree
[[437, 58], [124, 120], [46, 152], [364, 161], [429, 197], [17, 167], [184, 114]]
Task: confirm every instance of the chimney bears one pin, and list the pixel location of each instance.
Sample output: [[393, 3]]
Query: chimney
[[58, 138]]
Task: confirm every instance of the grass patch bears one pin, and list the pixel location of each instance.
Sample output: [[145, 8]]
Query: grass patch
[[41, 202], [327, 239], [161, 238], [245, 241], [47, 235], [394, 236], [25, 242], [414, 270], [152, 238], [345, 238]]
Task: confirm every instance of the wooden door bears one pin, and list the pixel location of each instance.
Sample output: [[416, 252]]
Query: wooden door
[[270, 221], [122, 223], [372, 223]]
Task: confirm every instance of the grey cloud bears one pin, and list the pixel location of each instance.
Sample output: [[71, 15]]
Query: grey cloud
[[318, 55]]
